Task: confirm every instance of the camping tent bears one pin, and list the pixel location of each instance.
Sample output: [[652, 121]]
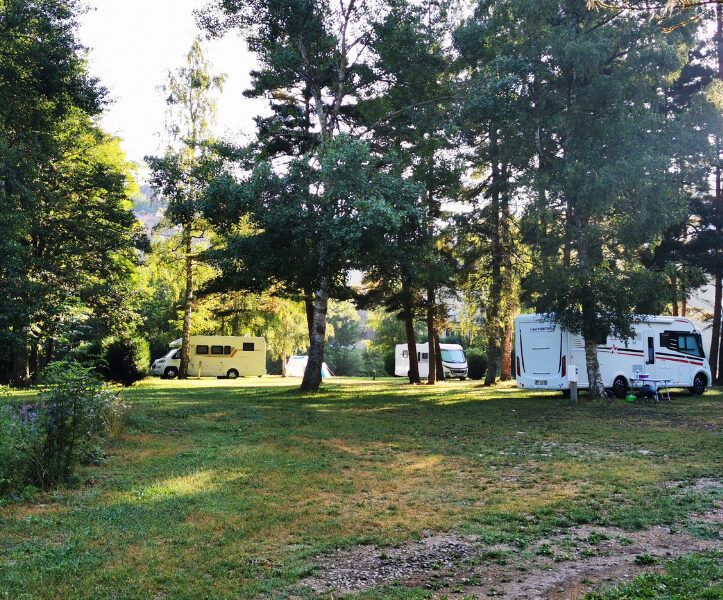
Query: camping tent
[[296, 365]]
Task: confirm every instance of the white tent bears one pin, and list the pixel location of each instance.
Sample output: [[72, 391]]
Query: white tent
[[296, 365]]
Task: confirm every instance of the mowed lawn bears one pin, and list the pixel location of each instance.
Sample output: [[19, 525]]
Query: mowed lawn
[[222, 489]]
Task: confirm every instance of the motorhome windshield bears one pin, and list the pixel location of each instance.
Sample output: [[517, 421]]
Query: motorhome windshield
[[684, 342], [172, 352], [453, 356]]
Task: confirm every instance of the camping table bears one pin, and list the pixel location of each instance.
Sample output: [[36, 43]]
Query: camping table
[[657, 384]]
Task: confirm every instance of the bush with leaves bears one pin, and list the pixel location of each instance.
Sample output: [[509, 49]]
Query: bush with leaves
[[476, 363], [344, 361], [389, 362], [41, 443], [125, 359]]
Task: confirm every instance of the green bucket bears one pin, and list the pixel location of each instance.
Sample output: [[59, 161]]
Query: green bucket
[[630, 398]]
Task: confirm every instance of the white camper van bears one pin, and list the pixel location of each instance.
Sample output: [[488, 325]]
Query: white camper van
[[454, 360], [663, 348], [216, 356]]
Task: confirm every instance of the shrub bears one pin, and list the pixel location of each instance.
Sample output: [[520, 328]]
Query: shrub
[[373, 363], [389, 363], [41, 443], [345, 362], [12, 460], [124, 359], [476, 363]]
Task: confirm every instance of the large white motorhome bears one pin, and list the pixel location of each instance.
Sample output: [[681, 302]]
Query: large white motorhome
[[216, 356], [663, 348], [454, 360]]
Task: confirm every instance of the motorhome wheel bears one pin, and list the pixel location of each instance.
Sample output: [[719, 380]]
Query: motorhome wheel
[[699, 384], [620, 387]]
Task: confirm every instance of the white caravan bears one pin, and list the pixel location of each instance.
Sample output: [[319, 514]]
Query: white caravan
[[216, 356], [663, 348], [454, 360]]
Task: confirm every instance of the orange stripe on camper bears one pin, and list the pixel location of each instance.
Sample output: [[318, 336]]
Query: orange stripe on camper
[[234, 352]]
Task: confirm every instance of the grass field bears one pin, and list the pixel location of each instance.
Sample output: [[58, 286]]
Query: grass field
[[223, 489]]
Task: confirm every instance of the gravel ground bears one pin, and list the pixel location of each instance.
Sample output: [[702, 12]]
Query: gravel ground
[[566, 566]]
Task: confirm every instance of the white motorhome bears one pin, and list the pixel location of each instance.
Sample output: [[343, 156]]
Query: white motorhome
[[216, 356], [663, 348], [454, 360]]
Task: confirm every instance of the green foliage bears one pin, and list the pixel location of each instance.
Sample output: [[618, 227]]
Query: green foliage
[[67, 233], [125, 359], [388, 331], [44, 441], [690, 577], [345, 323], [344, 361], [389, 362], [476, 362]]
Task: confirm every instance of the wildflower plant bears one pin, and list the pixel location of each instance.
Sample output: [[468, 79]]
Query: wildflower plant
[[41, 443]]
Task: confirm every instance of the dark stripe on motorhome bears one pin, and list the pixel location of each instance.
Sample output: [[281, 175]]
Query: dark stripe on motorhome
[[559, 362], [679, 358], [522, 352]]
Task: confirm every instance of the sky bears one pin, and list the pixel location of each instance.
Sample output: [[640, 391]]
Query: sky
[[133, 44]]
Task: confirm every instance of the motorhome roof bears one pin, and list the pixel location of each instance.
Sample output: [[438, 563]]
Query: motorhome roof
[[536, 318], [219, 338], [442, 346]]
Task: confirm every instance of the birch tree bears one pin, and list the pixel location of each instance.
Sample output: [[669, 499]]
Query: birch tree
[[180, 176]]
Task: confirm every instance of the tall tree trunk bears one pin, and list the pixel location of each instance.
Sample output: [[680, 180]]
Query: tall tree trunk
[[34, 360], [309, 305], [596, 389], [683, 306], [718, 377], [432, 376], [438, 358], [283, 360], [411, 338], [589, 313], [506, 369], [507, 300], [49, 349], [20, 371], [493, 304], [715, 329], [312, 374], [187, 308], [675, 309]]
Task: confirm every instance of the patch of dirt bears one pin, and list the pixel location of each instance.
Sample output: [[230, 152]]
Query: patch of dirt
[[566, 566]]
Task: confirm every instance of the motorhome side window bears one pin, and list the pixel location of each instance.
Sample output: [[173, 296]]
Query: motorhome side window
[[177, 355], [227, 350], [248, 347], [405, 353], [686, 343], [216, 349], [201, 349]]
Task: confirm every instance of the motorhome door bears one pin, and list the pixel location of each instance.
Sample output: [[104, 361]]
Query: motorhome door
[[652, 368]]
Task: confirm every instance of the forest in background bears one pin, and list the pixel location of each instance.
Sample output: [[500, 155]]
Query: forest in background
[[472, 160]]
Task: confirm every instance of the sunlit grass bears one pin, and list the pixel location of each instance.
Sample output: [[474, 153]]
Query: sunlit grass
[[228, 489]]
